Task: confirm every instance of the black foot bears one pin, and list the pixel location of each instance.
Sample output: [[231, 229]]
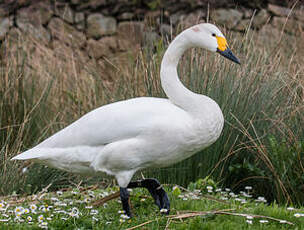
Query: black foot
[[157, 192], [124, 196]]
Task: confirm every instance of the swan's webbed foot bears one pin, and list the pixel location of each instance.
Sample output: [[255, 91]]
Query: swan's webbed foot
[[157, 192]]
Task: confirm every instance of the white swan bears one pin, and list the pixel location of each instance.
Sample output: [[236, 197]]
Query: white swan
[[126, 136]]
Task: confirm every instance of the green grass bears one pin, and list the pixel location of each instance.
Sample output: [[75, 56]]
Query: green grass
[[189, 210]]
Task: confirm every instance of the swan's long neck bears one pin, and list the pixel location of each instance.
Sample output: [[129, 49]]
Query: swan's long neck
[[174, 89]]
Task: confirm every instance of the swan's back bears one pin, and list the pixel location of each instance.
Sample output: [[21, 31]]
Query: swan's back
[[113, 122]]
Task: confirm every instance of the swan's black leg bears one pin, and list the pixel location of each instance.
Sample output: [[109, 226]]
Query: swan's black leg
[[157, 192], [124, 196]]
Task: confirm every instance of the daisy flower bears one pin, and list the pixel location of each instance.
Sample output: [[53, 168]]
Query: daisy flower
[[26, 211], [95, 219], [33, 208], [19, 209], [264, 221], [94, 212], [249, 217], [40, 218], [249, 221], [43, 225], [87, 200], [59, 193], [74, 192], [74, 212], [209, 188], [54, 199], [298, 215], [91, 194], [42, 208], [2, 205]]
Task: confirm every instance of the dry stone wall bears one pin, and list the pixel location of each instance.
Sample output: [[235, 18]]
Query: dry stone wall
[[105, 28]]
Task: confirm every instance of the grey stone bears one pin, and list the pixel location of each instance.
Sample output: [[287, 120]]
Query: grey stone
[[38, 32], [226, 17], [150, 38], [3, 12], [36, 14], [103, 47], [79, 17], [192, 19], [175, 18], [66, 33], [92, 4], [30, 21], [131, 34], [290, 26], [299, 15], [75, 2], [166, 30], [4, 27], [65, 54], [260, 19], [80, 20], [80, 26], [248, 13], [126, 16], [243, 24], [278, 10], [14, 35], [268, 31], [66, 13], [99, 25]]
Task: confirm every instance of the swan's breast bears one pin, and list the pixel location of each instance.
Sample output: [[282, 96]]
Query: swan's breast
[[208, 124]]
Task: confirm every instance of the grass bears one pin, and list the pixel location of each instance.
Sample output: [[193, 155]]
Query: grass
[[203, 208], [43, 90]]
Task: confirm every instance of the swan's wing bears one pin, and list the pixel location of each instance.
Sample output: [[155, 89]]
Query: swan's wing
[[110, 123]]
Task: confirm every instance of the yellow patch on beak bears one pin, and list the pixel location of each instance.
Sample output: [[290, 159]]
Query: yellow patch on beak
[[222, 43]]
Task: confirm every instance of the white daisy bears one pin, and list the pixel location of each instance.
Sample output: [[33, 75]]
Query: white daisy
[[19, 209], [33, 208], [249, 221], [2, 206], [264, 221], [94, 212], [209, 188], [59, 193], [40, 218]]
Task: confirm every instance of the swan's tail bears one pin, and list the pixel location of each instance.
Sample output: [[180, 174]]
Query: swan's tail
[[31, 154]]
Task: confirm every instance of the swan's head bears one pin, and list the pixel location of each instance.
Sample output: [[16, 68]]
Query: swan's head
[[209, 37]]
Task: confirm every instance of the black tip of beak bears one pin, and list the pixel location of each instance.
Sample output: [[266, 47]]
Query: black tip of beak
[[227, 53]]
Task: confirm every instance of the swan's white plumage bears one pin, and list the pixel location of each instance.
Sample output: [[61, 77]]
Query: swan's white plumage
[[126, 136]]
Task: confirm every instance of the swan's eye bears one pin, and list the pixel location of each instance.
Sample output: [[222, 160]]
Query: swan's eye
[[213, 35]]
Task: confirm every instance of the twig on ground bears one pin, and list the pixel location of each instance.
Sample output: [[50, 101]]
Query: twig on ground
[[168, 223], [137, 226], [106, 199], [197, 213]]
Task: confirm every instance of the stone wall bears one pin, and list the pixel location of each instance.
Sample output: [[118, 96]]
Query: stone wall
[[104, 28]]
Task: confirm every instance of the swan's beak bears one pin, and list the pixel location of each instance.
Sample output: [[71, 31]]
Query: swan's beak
[[227, 53], [224, 50]]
